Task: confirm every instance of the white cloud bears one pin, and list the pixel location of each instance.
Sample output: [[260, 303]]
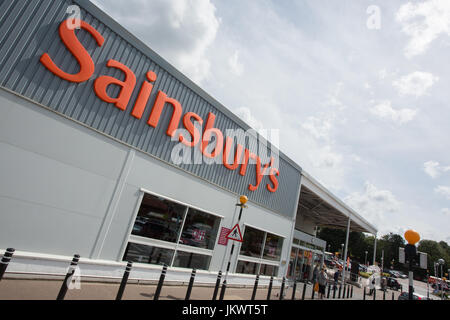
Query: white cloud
[[180, 30], [385, 111], [416, 83], [235, 65], [377, 206], [318, 128], [246, 115], [445, 211], [433, 169], [443, 190], [326, 158], [423, 22]]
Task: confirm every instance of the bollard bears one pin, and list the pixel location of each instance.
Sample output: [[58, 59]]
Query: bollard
[[384, 294], [255, 287], [374, 294], [223, 289], [313, 292], [270, 288], [216, 288], [304, 290], [124, 280], [334, 292], [348, 291], [340, 289], [364, 296], [160, 282], [191, 283], [329, 288], [5, 261], [282, 288], [343, 291], [351, 293], [392, 295], [68, 278], [294, 288]]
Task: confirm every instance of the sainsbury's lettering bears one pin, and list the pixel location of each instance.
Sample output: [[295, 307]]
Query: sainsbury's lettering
[[122, 100]]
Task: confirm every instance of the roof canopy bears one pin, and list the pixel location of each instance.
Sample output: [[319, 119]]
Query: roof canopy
[[326, 210]]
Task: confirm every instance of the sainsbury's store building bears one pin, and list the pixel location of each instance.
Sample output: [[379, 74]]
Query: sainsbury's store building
[[88, 128]]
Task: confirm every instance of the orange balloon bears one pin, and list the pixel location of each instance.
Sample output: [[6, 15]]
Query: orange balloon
[[412, 237]]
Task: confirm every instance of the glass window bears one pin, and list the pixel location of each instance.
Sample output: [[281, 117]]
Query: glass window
[[253, 242], [191, 260], [247, 267], [200, 229], [268, 270], [147, 254], [159, 219], [272, 248]]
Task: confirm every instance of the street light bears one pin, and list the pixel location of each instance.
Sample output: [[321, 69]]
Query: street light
[[342, 251], [365, 259]]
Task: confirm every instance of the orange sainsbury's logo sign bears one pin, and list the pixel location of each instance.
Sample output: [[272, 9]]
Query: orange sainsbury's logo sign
[[86, 70]]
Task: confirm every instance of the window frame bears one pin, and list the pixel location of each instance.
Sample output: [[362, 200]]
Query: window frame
[[260, 260], [166, 244]]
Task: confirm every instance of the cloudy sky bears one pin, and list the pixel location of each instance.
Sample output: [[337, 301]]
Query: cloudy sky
[[358, 89]]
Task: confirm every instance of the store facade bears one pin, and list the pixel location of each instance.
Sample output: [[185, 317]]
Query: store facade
[[109, 152]]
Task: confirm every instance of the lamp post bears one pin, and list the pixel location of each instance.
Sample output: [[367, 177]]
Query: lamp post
[[410, 252], [242, 201], [442, 262], [342, 251], [365, 259]]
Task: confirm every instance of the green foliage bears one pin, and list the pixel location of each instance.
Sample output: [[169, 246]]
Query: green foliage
[[389, 244]]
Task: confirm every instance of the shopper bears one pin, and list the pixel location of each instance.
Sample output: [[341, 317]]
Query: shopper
[[315, 273], [322, 278], [336, 278], [371, 281]]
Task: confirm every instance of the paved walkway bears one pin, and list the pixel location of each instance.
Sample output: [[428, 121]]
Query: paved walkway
[[19, 289]]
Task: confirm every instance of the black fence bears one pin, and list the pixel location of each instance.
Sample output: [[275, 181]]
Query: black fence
[[289, 289]]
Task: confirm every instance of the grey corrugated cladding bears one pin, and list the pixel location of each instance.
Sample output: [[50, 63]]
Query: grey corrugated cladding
[[30, 28]]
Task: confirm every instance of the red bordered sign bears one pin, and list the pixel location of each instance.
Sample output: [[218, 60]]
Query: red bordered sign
[[235, 234]]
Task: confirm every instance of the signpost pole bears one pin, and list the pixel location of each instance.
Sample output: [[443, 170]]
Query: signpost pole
[[234, 231]]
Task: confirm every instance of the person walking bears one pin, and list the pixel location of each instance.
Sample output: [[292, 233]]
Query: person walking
[[315, 273], [336, 278], [322, 278], [371, 281]]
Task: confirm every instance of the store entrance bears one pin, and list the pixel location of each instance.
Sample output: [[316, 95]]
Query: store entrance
[[300, 264]]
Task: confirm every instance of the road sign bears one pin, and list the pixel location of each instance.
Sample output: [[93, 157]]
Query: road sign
[[419, 259], [223, 236], [235, 234]]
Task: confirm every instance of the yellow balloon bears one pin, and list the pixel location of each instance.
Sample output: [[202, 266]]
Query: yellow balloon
[[412, 237], [243, 199]]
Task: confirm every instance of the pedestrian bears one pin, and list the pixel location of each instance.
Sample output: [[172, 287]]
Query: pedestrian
[[371, 281], [322, 278], [315, 273], [336, 278]]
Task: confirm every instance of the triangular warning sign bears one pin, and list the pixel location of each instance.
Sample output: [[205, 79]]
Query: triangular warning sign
[[235, 234]]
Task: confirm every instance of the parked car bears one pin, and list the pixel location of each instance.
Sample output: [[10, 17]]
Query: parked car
[[393, 273], [329, 263], [402, 275], [393, 284], [439, 285], [416, 296]]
